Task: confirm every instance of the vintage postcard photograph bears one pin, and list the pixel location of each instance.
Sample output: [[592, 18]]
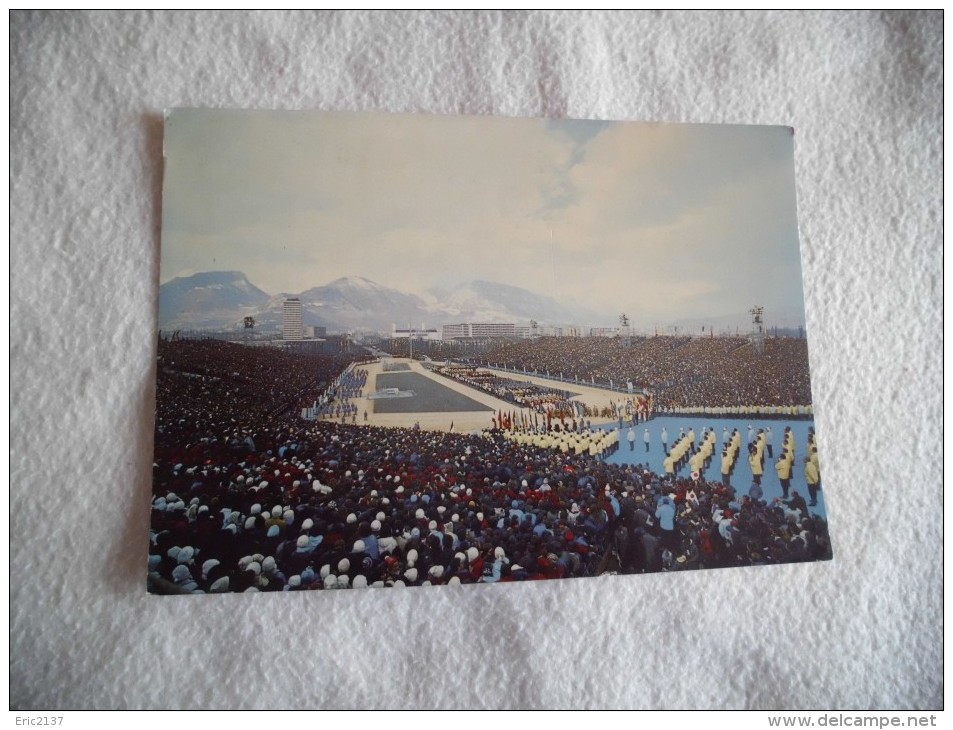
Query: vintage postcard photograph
[[408, 350]]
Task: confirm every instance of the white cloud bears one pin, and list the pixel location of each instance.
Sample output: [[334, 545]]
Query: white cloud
[[662, 220]]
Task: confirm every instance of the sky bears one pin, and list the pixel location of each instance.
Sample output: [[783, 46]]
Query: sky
[[663, 222]]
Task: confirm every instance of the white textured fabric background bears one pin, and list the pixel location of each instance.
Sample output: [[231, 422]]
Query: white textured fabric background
[[864, 94]]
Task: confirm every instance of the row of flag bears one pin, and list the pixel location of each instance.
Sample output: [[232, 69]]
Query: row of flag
[[518, 420]]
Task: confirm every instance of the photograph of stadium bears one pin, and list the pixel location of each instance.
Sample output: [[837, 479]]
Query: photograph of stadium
[[407, 350]]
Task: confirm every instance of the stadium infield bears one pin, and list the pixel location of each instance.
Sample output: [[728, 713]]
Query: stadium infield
[[654, 458], [470, 418], [429, 396]]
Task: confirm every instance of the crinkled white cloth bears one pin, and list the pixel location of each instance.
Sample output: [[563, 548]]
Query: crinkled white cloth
[[863, 91]]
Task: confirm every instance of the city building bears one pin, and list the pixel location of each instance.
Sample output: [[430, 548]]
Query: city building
[[456, 331], [291, 324], [311, 332], [476, 330], [492, 329]]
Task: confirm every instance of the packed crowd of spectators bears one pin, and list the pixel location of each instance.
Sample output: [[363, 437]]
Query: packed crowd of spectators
[[434, 349], [248, 497], [682, 372], [210, 378], [221, 399]]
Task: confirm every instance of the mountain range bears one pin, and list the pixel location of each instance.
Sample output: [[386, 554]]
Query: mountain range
[[221, 300], [209, 300]]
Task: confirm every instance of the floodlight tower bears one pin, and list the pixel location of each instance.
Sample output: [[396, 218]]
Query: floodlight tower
[[757, 328], [626, 332]]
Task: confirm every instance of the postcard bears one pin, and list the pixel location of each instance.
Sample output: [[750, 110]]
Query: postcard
[[408, 350]]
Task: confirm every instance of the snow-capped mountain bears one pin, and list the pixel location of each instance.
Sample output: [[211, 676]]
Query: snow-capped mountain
[[355, 304], [486, 301]]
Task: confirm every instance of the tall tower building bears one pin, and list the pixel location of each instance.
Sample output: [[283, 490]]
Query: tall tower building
[[291, 325]]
